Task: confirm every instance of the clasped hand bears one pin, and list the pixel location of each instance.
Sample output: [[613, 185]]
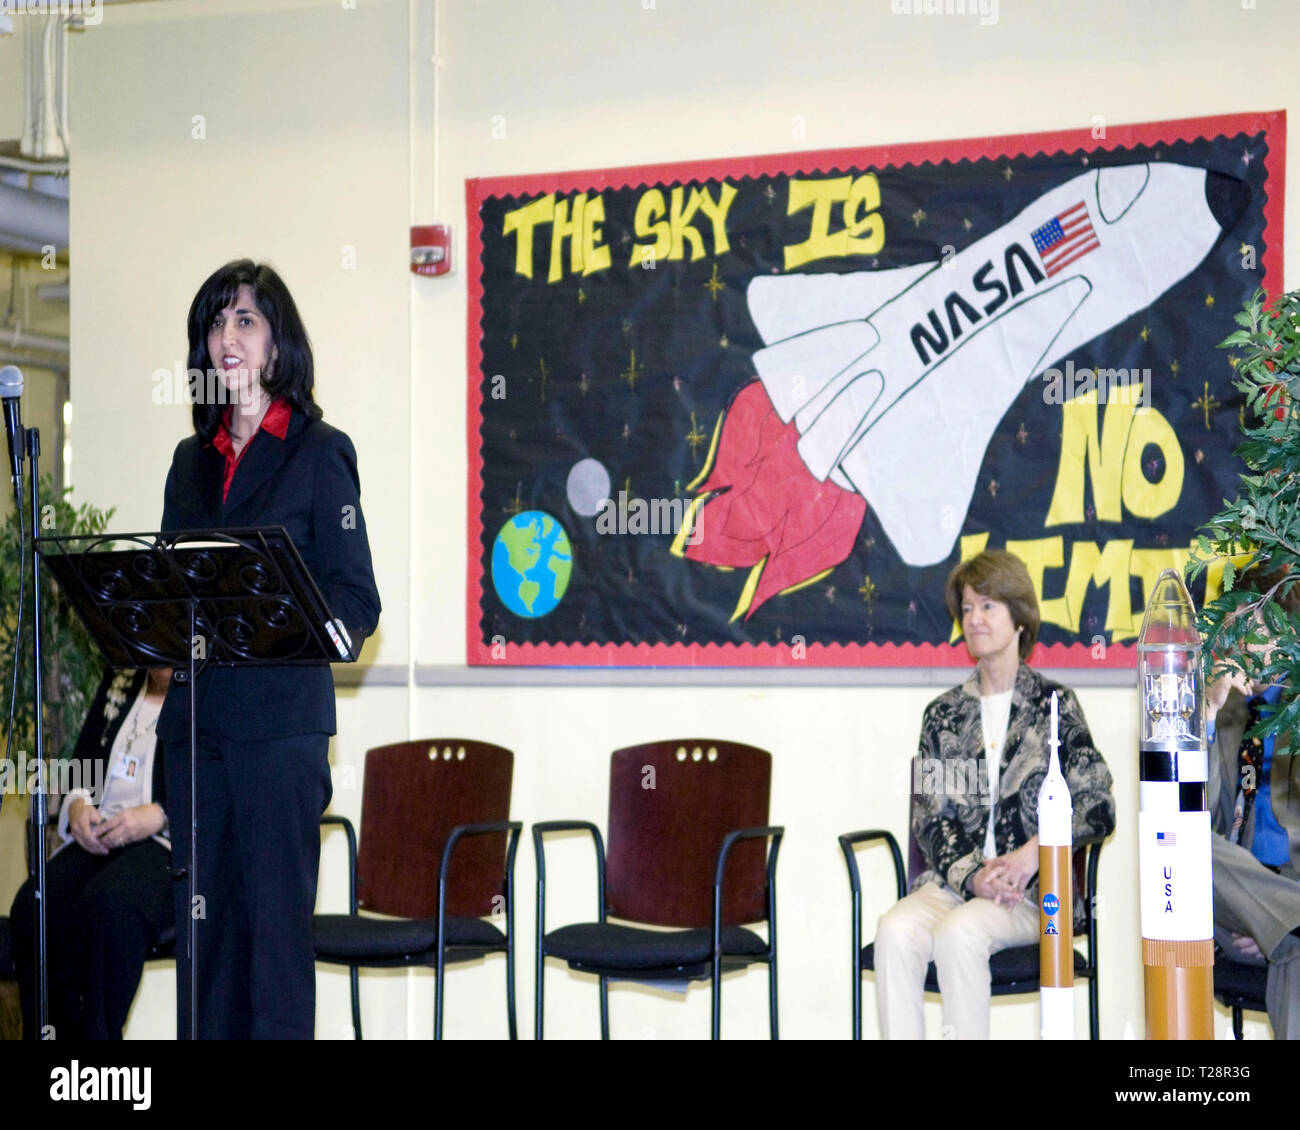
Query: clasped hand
[[99, 836], [1005, 878]]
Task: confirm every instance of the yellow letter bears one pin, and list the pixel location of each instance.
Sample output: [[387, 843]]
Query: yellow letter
[[718, 214], [1108, 566], [682, 228], [522, 220], [563, 228], [972, 545], [861, 215], [1143, 497], [1040, 554], [817, 195], [648, 208], [595, 255], [1104, 460]]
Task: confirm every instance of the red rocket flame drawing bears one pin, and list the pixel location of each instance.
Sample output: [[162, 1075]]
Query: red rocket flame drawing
[[761, 508]]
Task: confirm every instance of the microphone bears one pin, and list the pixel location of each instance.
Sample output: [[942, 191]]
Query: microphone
[[11, 389]]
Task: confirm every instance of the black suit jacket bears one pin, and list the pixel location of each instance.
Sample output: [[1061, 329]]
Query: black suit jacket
[[307, 483]]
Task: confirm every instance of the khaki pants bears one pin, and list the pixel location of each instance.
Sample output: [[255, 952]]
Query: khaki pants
[[934, 924]]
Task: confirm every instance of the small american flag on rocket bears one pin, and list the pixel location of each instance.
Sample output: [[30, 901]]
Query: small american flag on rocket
[[1065, 238], [1166, 839]]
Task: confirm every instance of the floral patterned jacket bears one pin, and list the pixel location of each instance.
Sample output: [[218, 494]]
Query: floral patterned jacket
[[951, 784]]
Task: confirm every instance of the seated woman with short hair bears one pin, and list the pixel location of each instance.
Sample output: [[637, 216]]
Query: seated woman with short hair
[[983, 756]]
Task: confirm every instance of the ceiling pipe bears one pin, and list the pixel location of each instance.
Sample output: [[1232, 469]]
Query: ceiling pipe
[[34, 218], [18, 338]]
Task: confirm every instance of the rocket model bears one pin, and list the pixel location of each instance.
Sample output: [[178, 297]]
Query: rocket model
[[1056, 898], [1174, 873], [866, 362]]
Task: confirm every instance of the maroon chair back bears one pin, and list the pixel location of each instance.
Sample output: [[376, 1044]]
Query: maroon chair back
[[415, 793], [671, 804]]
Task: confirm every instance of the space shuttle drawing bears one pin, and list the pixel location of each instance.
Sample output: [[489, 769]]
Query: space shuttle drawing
[[892, 382]]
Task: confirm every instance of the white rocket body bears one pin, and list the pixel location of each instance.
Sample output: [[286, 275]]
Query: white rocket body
[[866, 362], [1056, 832]]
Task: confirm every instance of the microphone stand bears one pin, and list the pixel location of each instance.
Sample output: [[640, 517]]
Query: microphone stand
[[40, 798]]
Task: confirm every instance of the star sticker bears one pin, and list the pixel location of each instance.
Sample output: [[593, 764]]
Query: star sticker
[[722, 341], [917, 217], [1008, 172], [868, 542], [1206, 403], [584, 384], [516, 506], [993, 487], [1174, 366], [714, 284], [632, 372], [627, 433], [769, 192], [1247, 157], [1085, 158], [830, 594], [965, 223], [1145, 334], [1200, 456], [514, 340], [867, 590], [582, 296], [695, 438], [627, 325], [677, 384], [1022, 433], [1209, 300], [626, 238]]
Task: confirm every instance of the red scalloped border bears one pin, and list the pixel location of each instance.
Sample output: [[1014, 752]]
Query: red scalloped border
[[478, 653]]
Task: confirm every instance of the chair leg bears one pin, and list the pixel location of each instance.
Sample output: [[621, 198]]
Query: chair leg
[[1236, 1023], [772, 999], [857, 1001], [510, 993], [716, 1028], [604, 1009], [1094, 1018], [539, 988], [356, 1003], [437, 994]]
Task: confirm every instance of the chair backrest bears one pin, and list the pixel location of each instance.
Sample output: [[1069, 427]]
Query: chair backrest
[[671, 804], [415, 793]]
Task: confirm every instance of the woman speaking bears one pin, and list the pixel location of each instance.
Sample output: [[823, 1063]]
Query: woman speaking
[[260, 456]]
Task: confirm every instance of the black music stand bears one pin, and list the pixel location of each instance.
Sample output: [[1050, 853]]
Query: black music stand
[[192, 599]]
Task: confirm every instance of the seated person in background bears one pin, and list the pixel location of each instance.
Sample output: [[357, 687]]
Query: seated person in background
[[982, 759], [109, 887], [1254, 799]]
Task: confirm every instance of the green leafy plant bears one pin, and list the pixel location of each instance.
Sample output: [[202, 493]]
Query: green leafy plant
[[72, 663], [1260, 528]]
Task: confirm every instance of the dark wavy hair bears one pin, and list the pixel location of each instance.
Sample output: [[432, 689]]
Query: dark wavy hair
[[293, 373], [1001, 575]]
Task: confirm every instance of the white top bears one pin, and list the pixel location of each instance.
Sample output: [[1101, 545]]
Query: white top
[[128, 780], [995, 714]]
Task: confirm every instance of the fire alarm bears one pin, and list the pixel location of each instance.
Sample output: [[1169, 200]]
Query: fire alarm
[[431, 249]]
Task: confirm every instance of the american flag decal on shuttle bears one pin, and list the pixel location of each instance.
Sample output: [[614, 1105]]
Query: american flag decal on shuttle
[[1065, 238], [1166, 839]]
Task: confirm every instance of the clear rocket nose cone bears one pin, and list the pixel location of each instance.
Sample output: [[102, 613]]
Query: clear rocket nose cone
[[1171, 617]]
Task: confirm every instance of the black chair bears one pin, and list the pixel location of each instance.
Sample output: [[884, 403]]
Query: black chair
[[423, 803], [684, 816], [1239, 987], [1014, 970]]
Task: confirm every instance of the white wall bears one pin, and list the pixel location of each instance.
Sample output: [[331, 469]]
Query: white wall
[[307, 150]]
